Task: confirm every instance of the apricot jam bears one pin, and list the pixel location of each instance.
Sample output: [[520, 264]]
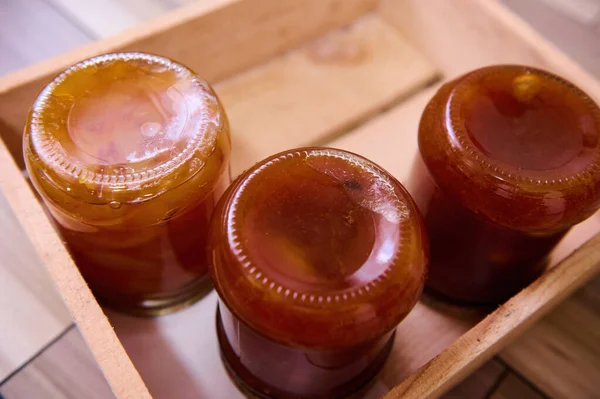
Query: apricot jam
[[318, 254], [514, 161], [130, 154]]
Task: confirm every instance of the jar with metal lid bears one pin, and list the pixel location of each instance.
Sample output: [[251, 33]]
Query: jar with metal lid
[[317, 255], [130, 153], [512, 157]]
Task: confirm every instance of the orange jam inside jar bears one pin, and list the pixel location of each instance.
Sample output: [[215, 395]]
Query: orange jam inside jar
[[130, 154], [318, 254], [514, 161]]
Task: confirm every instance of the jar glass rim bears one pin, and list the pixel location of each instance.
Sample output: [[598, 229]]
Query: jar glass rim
[[203, 126]]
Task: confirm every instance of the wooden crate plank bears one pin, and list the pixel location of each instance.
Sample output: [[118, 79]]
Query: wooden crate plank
[[574, 38], [65, 370], [177, 355], [31, 309], [513, 387], [107, 17], [26, 36], [561, 353], [320, 90], [479, 384], [199, 35], [461, 35]]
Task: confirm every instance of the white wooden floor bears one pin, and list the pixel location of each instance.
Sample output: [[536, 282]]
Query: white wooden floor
[[41, 352]]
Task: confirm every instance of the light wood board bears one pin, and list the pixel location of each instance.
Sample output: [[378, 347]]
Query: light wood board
[[66, 370], [320, 90], [108, 17], [31, 310], [584, 12], [514, 387], [561, 353], [578, 39]]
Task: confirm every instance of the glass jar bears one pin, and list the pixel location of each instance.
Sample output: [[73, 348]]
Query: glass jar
[[130, 154], [317, 255], [513, 161]]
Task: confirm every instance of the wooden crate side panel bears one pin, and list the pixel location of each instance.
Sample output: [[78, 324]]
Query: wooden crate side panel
[[93, 324], [217, 38], [321, 89], [461, 35]]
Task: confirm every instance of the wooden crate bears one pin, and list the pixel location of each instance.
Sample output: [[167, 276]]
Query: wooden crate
[[353, 74]]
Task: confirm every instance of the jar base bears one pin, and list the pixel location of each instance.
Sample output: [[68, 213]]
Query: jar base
[[161, 304], [236, 370]]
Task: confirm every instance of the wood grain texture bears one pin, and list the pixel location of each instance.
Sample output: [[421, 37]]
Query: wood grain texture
[[31, 309], [198, 35], [503, 325], [31, 31], [513, 387], [320, 90], [390, 139], [479, 384], [65, 370], [561, 353], [86, 312], [428, 330], [462, 35], [179, 352], [107, 17], [203, 24]]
